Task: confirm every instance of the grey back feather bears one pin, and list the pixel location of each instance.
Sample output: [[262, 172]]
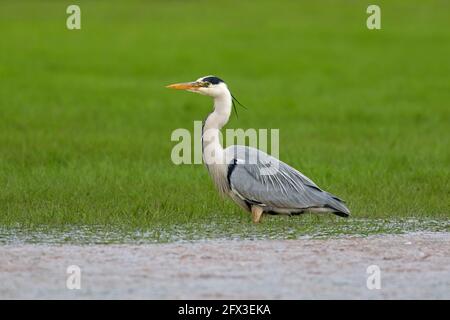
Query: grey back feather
[[261, 178]]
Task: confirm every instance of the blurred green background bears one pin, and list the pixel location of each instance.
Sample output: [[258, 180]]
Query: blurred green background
[[85, 120]]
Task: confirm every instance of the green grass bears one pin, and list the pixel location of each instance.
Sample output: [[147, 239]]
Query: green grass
[[85, 120]]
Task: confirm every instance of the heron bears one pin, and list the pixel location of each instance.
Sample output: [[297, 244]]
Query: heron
[[256, 181]]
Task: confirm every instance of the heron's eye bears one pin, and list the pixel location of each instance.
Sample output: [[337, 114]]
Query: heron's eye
[[206, 84]]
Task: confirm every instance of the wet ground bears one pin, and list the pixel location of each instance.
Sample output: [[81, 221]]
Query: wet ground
[[278, 228], [412, 266]]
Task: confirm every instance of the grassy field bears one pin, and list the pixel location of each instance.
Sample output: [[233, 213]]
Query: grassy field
[[85, 120]]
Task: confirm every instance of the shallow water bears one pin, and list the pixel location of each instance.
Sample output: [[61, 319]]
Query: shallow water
[[229, 230]]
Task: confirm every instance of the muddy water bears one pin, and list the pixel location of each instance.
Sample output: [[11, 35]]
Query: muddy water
[[412, 266]]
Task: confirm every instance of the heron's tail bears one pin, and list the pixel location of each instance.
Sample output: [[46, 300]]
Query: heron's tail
[[338, 206]]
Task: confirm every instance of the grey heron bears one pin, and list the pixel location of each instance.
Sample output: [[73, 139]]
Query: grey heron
[[255, 180]]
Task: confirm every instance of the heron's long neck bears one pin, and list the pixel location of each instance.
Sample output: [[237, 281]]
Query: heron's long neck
[[213, 153], [214, 122]]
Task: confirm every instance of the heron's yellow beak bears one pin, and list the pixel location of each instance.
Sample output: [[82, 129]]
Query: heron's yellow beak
[[185, 86]]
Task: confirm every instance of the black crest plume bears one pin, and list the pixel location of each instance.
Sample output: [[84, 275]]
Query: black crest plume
[[234, 102]]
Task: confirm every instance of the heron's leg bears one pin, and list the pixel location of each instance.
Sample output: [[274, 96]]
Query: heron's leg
[[256, 213]]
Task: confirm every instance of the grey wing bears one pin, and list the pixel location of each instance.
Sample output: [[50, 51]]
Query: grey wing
[[262, 179]]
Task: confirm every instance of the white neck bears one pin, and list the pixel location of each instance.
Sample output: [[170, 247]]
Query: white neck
[[213, 123], [213, 153], [222, 110]]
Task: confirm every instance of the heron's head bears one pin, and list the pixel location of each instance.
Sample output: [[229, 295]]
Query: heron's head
[[208, 86]]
